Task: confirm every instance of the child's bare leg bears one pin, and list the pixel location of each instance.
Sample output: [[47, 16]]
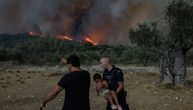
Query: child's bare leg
[[114, 95], [110, 99]]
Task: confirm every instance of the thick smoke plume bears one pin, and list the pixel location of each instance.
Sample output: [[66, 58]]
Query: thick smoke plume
[[104, 21]]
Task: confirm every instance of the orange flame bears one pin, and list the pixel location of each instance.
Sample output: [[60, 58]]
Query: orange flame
[[64, 37], [34, 34], [90, 41]]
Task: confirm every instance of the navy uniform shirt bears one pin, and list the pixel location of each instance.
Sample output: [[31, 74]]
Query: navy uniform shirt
[[113, 77], [76, 85]]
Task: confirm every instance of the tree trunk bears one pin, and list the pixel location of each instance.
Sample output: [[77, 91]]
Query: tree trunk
[[145, 62], [173, 67]]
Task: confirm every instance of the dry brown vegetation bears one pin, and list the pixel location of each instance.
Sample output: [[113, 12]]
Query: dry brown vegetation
[[24, 89]]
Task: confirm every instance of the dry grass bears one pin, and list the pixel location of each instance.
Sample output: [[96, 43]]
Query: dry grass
[[24, 90]]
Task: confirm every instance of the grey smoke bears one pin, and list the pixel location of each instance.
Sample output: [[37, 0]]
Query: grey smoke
[[105, 21]]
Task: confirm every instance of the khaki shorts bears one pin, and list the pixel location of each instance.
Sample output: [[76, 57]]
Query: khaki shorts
[[104, 92]]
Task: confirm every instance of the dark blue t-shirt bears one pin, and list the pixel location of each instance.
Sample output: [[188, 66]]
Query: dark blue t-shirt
[[76, 85], [113, 77]]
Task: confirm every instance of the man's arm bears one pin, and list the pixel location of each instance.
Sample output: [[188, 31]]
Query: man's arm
[[51, 95], [120, 88], [120, 80]]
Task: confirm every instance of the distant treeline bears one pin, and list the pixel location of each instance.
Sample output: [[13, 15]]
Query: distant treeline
[[25, 49]]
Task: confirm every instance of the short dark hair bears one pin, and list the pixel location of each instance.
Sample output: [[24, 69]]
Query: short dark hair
[[73, 60], [96, 76], [107, 57]]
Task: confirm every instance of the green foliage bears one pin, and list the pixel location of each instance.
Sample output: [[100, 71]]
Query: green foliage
[[49, 50], [149, 40], [147, 36], [179, 15]]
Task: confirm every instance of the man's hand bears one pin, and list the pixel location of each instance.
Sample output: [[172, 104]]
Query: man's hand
[[42, 106], [63, 61], [51, 95]]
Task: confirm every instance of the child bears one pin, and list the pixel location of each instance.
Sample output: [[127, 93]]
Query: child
[[102, 88]]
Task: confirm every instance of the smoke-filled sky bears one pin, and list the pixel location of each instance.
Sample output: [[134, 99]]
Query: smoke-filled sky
[[104, 21]]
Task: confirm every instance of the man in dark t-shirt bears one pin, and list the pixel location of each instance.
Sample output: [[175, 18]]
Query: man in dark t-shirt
[[76, 85]]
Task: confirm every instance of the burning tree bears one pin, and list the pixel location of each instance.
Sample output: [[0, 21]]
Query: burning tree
[[173, 47]]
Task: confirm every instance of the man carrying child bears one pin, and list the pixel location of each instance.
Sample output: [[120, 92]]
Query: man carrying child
[[115, 80]]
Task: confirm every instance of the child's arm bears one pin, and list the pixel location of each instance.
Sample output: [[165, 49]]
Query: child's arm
[[97, 90]]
